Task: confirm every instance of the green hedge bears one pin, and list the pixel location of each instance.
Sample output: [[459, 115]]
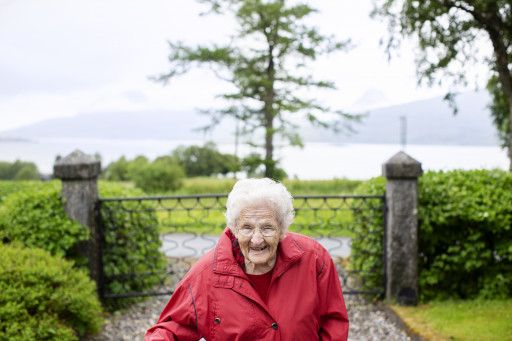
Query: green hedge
[[465, 235], [35, 217], [366, 250], [32, 214], [9, 187], [132, 241], [42, 297]]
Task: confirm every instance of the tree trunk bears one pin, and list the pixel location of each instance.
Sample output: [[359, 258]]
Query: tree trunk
[[494, 29], [269, 114], [269, 145], [506, 85], [489, 20], [510, 135]]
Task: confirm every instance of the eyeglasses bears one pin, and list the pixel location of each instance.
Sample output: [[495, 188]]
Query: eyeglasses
[[248, 231]]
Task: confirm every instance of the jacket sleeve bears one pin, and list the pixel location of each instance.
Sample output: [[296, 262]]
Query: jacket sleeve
[[178, 320], [333, 313]]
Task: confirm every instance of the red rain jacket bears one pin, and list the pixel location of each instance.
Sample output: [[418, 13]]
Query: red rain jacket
[[216, 301]]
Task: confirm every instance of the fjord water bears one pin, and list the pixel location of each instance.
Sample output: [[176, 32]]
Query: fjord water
[[315, 161]]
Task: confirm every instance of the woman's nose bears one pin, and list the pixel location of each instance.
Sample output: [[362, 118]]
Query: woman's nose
[[257, 237]]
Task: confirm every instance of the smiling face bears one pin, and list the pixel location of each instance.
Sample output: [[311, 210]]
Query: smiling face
[[259, 251]]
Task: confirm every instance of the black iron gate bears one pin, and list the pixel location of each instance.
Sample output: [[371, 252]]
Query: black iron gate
[[149, 243]]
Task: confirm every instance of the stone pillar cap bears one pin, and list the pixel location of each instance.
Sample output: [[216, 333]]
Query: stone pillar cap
[[76, 166], [401, 166]]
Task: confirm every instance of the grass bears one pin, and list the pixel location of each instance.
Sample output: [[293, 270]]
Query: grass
[[321, 187], [205, 185], [210, 185], [482, 320]]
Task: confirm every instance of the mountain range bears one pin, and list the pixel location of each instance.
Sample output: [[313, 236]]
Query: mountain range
[[428, 121]]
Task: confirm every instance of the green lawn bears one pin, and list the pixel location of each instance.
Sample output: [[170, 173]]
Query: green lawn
[[210, 185], [482, 320]]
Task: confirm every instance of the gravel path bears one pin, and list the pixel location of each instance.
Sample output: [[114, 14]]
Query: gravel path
[[367, 323]]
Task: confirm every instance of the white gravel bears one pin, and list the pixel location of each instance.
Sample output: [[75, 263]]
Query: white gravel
[[367, 322]]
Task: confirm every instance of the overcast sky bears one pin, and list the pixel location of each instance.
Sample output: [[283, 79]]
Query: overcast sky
[[67, 57]]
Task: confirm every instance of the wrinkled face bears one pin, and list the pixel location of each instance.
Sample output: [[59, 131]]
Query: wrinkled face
[[258, 234]]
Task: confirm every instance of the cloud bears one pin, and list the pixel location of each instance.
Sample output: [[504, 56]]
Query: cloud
[[61, 46], [61, 58], [372, 97], [135, 96]]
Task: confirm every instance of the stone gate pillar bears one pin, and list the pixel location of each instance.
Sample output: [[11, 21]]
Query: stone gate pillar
[[79, 173], [402, 172]]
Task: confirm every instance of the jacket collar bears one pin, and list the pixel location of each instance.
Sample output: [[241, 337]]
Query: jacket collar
[[288, 252]]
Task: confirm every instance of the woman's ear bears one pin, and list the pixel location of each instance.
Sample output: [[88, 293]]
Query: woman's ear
[[283, 235]]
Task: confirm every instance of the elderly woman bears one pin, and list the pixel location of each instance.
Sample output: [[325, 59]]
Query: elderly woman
[[261, 282]]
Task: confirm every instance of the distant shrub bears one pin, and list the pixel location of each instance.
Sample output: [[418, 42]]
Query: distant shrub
[[278, 174], [464, 234], [161, 175], [27, 173], [42, 297], [132, 242], [252, 164], [166, 172], [117, 171], [205, 160], [256, 166], [123, 169], [36, 218], [18, 170]]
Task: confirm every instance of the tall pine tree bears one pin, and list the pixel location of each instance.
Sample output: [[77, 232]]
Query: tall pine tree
[[266, 62]]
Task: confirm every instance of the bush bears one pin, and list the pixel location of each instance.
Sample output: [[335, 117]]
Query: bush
[[205, 160], [9, 187], [27, 173], [36, 218], [43, 297], [464, 234], [18, 170], [162, 175], [132, 242], [123, 170], [366, 250], [256, 166], [117, 171], [33, 215]]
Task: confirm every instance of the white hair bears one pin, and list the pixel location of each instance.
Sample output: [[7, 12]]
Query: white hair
[[249, 193]]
